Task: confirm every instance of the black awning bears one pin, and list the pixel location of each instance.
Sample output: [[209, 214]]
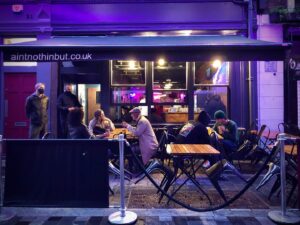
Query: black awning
[[172, 48]]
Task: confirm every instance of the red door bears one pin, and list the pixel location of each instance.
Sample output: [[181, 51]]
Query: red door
[[17, 86]]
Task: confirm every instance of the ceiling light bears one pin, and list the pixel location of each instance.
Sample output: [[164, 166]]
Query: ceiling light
[[216, 63], [131, 65], [161, 62]]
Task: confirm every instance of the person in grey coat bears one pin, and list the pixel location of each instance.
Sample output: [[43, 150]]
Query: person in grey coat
[[147, 140], [36, 110]]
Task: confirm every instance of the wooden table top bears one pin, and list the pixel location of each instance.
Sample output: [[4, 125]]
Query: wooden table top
[[115, 133], [191, 149], [291, 149]]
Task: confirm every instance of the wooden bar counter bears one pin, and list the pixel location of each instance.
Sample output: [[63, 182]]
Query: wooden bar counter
[[177, 117]]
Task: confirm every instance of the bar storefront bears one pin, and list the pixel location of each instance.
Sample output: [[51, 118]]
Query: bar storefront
[[172, 78]]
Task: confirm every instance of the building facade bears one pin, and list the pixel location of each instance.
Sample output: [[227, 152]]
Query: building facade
[[172, 90]]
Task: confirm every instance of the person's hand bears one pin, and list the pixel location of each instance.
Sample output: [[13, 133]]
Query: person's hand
[[106, 134], [221, 129], [124, 124], [71, 109]]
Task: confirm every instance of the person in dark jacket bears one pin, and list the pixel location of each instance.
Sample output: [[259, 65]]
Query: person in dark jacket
[[228, 130], [199, 134], [66, 103], [36, 110], [76, 128]]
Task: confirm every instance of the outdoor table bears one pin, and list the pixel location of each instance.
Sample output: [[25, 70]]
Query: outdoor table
[[114, 134], [179, 152]]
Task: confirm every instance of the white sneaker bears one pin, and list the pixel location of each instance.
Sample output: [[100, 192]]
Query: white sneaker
[[206, 164]]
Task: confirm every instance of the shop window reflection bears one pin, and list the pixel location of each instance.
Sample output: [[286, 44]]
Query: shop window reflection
[[215, 73], [128, 95], [169, 96], [169, 75], [211, 99], [128, 72]]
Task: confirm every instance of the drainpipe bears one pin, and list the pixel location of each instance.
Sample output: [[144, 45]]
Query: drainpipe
[[250, 35]]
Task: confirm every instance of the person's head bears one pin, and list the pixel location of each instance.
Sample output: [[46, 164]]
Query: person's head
[[40, 88], [68, 87], [99, 114], [75, 117], [135, 113], [204, 118], [125, 109], [220, 117]]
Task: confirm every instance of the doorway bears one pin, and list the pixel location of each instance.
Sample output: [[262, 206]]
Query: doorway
[[89, 97], [17, 87]]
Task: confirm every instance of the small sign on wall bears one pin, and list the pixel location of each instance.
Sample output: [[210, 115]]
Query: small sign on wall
[[271, 66]]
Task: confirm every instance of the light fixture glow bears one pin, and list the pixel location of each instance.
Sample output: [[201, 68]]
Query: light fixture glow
[[185, 32], [216, 63], [161, 62], [131, 65]]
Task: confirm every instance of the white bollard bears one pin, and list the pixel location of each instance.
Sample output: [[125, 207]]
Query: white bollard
[[283, 217], [123, 216]]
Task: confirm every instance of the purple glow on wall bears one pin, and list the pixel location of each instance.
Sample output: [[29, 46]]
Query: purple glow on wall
[[145, 13]]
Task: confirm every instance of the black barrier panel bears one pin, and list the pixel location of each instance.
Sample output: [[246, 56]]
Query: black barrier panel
[[56, 173]]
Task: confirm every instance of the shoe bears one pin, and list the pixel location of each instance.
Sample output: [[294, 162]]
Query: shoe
[[206, 164]]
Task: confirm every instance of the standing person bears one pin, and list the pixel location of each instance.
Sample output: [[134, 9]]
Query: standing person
[[147, 140], [228, 130], [36, 110], [66, 102]]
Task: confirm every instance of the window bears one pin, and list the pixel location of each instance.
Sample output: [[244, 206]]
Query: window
[[211, 99], [169, 82], [215, 73], [169, 75], [128, 95], [128, 73]]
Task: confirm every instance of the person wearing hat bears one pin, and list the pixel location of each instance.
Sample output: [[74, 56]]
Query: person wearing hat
[[228, 130], [147, 140]]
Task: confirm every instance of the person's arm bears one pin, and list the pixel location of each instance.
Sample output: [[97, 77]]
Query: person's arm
[[60, 104], [28, 107], [112, 126], [92, 124], [47, 106], [138, 130], [76, 101], [230, 133]]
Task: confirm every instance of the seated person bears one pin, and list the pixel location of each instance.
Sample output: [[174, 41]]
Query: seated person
[[147, 140], [199, 134], [78, 130], [100, 123], [195, 132], [228, 130]]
